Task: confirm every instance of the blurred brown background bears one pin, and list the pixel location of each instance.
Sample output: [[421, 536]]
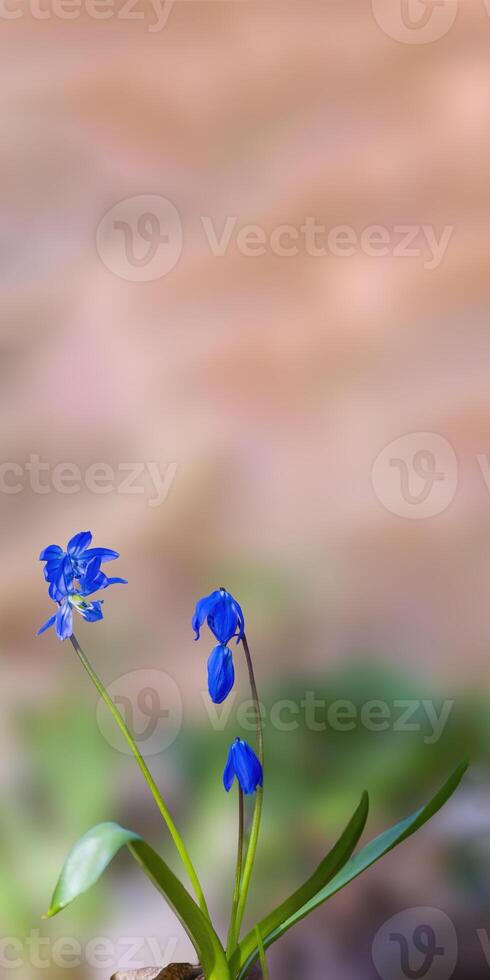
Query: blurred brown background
[[304, 419]]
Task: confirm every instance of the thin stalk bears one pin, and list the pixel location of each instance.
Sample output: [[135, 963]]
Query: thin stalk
[[232, 937], [160, 802], [259, 797]]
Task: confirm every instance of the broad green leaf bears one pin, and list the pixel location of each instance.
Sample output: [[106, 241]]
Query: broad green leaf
[[89, 859], [369, 854]]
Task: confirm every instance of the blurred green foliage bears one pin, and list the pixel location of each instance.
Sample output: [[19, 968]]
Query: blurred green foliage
[[61, 786]]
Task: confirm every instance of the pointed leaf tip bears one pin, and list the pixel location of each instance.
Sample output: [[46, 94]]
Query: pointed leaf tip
[[86, 862]]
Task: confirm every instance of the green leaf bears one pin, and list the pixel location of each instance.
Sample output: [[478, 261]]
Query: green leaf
[[328, 868], [262, 957], [373, 851], [89, 859]]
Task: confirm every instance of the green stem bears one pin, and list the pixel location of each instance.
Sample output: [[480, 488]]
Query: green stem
[[259, 797], [160, 802], [232, 937]]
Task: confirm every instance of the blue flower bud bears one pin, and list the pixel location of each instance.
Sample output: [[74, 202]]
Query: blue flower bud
[[221, 673], [244, 764]]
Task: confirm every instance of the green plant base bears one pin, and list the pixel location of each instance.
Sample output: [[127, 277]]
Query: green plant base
[[175, 971]]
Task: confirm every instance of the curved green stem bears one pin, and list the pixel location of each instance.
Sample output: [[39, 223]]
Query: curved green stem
[[259, 797], [232, 936], [160, 802]]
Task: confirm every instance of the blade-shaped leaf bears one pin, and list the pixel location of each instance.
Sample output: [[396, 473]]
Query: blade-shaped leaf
[[335, 860], [367, 856], [89, 859]]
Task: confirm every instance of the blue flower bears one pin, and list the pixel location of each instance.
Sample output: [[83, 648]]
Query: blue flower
[[223, 614], [244, 764], [221, 673], [73, 576], [63, 567]]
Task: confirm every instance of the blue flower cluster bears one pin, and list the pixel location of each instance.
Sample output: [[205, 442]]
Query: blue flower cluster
[[225, 619], [72, 576]]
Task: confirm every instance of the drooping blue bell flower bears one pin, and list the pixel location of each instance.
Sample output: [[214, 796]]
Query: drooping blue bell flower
[[66, 566], [223, 615], [221, 673], [244, 764]]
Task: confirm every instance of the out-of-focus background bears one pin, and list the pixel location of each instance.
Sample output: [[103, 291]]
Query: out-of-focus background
[[244, 259]]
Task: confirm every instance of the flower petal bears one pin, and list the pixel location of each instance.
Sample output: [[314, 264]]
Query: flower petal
[[226, 618], [93, 578], [61, 581], [240, 618], [92, 613], [51, 569], [52, 551], [47, 625], [105, 554], [203, 609], [222, 622], [64, 577], [77, 545], [64, 621], [229, 773]]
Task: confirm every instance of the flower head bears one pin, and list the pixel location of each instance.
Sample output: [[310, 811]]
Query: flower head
[[73, 576], [221, 673], [66, 566], [223, 615], [244, 764]]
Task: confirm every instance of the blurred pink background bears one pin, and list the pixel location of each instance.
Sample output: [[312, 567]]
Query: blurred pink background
[[263, 388]]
